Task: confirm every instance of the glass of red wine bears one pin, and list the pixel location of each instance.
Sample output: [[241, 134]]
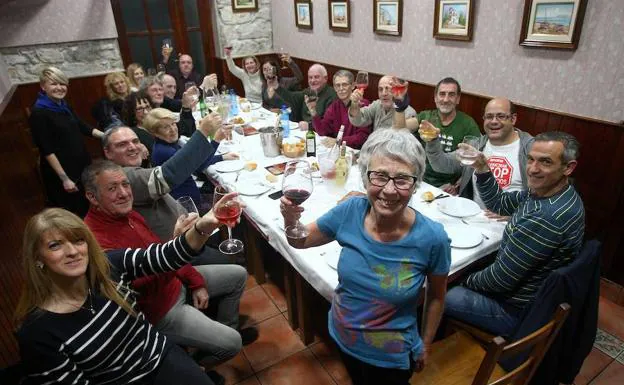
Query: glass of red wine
[[228, 214], [361, 82], [297, 187]]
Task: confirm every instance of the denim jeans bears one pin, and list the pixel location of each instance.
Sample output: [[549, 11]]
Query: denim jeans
[[186, 325], [481, 311]]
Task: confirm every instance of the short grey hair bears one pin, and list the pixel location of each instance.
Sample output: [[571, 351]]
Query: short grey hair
[[571, 146], [148, 81], [318, 67], [397, 144], [90, 174], [343, 74], [107, 134]]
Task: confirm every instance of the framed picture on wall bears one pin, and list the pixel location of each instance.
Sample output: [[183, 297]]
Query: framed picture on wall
[[244, 5], [388, 17], [452, 19], [303, 14], [552, 23], [339, 15]]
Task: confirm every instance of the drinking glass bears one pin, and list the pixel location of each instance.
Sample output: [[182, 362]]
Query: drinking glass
[[228, 214], [151, 72], [194, 91], [297, 187], [398, 87], [361, 81], [188, 205], [161, 69], [283, 60], [166, 43], [468, 156]]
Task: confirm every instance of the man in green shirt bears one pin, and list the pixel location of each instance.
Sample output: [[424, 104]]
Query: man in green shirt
[[453, 126]]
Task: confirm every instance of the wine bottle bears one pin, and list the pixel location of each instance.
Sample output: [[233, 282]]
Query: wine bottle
[[342, 166], [310, 141], [203, 110], [334, 153]]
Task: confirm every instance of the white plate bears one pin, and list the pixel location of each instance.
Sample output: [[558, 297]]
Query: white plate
[[255, 106], [458, 207], [252, 188], [332, 260], [463, 237], [229, 165]]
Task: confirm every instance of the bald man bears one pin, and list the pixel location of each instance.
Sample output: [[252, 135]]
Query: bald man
[[183, 73], [169, 85], [381, 113], [505, 148]]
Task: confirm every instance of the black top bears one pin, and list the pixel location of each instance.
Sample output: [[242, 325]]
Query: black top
[[109, 346], [107, 113], [181, 80]]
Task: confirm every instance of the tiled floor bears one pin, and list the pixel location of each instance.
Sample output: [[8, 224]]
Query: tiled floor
[[279, 357]]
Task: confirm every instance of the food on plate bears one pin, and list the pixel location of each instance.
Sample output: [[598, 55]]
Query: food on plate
[[250, 166], [271, 178], [249, 130], [237, 120], [293, 147], [428, 196]]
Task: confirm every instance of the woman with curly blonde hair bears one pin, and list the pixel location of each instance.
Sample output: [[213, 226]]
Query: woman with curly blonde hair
[[77, 317]]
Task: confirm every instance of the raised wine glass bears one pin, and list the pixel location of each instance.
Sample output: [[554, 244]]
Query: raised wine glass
[[194, 92], [283, 58], [468, 156], [398, 87], [188, 205], [228, 214], [297, 186], [361, 82]]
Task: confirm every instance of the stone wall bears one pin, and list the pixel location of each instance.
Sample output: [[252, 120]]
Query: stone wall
[[248, 32], [75, 59]]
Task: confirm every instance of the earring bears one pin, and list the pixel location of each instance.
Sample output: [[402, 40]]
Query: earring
[[39, 264]]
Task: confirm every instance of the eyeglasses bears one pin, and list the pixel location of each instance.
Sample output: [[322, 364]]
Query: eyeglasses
[[342, 85], [143, 109], [500, 117], [401, 182]]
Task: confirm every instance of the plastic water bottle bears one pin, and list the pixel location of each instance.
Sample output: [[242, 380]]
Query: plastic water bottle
[[233, 103], [285, 120]]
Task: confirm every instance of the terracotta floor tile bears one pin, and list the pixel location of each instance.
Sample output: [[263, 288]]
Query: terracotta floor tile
[[250, 381], [595, 363], [610, 290], [612, 375], [256, 304], [611, 318], [299, 369], [275, 342], [329, 357], [251, 282], [276, 295], [608, 344], [235, 370]]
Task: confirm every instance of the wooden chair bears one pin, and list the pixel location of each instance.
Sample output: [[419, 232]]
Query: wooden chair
[[461, 359]]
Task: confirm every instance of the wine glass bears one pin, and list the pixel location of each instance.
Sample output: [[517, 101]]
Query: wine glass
[[361, 82], [398, 87], [151, 72], [312, 95], [194, 91], [468, 156], [297, 186], [283, 58], [228, 214], [188, 205]]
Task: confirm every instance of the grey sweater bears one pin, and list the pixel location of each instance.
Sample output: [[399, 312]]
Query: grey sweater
[[447, 162]]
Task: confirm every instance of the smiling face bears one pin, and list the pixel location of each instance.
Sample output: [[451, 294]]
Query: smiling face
[[388, 201], [114, 194], [316, 79], [138, 75], [186, 64], [123, 148], [343, 87], [269, 71], [156, 93], [384, 88], [498, 122], [250, 66], [63, 257], [54, 89], [142, 108], [169, 85], [546, 171], [168, 131], [447, 98]]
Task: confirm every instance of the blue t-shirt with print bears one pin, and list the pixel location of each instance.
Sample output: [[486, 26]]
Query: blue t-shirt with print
[[373, 312]]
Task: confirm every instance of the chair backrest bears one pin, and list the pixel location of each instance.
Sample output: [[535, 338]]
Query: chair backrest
[[537, 343]]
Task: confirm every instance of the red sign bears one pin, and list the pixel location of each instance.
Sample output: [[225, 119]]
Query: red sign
[[501, 169]]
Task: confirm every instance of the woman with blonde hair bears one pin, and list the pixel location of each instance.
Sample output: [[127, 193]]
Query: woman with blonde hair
[[135, 74], [56, 131], [108, 110], [77, 317]]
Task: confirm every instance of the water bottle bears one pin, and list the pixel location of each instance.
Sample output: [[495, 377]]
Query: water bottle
[[233, 103], [285, 120]]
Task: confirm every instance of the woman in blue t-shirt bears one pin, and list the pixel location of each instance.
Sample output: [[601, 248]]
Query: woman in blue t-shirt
[[388, 249]]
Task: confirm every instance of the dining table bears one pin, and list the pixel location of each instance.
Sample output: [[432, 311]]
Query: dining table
[[317, 265]]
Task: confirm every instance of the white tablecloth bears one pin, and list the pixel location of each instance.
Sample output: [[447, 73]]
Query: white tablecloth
[[311, 263]]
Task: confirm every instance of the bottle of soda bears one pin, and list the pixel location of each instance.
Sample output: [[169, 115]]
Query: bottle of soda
[[310, 141]]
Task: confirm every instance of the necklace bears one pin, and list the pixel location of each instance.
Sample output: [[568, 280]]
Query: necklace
[[89, 307]]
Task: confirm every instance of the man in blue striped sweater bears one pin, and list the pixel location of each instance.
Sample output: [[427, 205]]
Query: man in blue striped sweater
[[544, 233]]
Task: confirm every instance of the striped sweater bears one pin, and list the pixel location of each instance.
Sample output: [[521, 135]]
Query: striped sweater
[[110, 346], [542, 235]]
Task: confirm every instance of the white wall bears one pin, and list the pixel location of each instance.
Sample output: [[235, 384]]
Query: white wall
[[588, 82]]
